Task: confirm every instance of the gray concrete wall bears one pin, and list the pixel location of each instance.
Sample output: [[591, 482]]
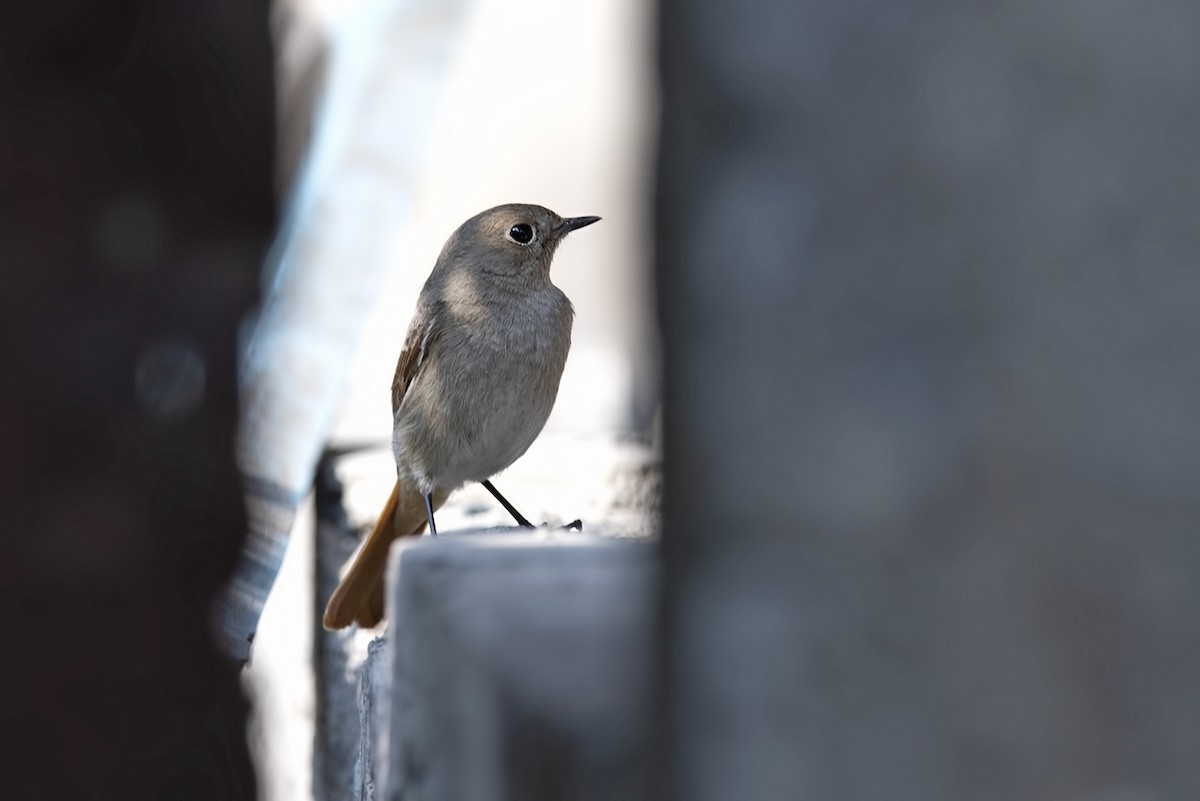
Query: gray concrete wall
[[517, 668], [928, 280]]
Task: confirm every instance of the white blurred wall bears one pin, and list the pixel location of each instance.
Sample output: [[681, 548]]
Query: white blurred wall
[[546, 102]]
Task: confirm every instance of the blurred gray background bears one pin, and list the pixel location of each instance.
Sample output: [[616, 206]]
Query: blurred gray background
[[932, 414]]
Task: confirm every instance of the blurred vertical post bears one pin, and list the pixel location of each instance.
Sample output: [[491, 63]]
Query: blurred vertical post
[[136, 203], [336, 750], [928, 281]]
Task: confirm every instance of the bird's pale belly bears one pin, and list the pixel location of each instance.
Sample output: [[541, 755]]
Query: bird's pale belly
[[489, 412], [497, 440]]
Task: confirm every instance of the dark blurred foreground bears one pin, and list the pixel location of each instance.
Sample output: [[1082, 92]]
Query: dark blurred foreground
[[136, 201], [929, 294]]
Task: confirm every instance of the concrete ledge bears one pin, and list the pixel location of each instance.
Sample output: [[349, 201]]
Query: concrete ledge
[[373, 693], [517, 666]]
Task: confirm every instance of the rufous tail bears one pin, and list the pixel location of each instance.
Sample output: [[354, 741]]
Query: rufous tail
[[359, 596]]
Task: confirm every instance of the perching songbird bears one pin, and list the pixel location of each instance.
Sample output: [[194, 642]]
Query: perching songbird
[[475, 382]]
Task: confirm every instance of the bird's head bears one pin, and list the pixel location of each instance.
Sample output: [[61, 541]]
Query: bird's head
[[516, 240]]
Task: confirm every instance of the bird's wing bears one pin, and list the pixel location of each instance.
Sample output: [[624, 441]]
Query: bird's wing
[[421, 335]]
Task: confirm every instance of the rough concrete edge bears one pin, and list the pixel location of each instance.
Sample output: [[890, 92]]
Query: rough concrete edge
[[372, 684], [515, 543]]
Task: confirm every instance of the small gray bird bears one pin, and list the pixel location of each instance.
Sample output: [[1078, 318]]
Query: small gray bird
[[476, 380]]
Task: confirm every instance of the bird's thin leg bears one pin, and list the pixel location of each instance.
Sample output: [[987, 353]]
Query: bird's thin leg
[[512, 510], [429, 511]]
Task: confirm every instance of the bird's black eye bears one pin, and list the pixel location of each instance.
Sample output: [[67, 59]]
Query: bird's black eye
[[521, 233]]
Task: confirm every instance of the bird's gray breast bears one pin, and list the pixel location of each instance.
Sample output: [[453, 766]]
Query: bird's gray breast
[[496, 376]]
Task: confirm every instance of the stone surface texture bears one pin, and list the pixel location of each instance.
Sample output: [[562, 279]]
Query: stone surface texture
[[517, 667]]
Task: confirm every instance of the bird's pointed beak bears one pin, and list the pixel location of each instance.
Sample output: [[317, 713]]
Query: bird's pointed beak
[[574, 223]]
